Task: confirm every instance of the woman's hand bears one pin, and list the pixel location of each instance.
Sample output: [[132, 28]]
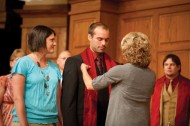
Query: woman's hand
[[84, 67], [86, 77]]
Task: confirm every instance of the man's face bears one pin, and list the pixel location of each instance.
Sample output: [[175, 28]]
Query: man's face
[[18, 56], [100, 40], [62, 58], [171, 70]]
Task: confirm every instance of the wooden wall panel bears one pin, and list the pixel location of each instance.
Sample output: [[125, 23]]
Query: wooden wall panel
[[78, 35], [173, 36], [139, 5], [111, 19], [168, 29], [49, 21], [174, 30], [135, 24], [142, 24], [81, 6]]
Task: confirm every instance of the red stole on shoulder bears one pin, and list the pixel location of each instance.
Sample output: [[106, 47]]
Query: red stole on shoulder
[[182, 109], [90, 96]]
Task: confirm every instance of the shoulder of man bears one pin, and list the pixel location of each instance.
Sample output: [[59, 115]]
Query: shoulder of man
[[75, 58], [182, 78], [160, 80]]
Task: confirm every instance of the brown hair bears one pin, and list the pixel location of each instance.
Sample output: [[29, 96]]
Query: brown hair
[[93, 26], [37, 37], [174, 58]]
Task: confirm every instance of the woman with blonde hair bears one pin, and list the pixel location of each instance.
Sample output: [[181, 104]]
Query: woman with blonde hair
[[6, 94], [132, 83]]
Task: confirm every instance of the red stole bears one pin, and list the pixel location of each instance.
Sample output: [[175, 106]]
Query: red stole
[[183, 102], [90, 96]]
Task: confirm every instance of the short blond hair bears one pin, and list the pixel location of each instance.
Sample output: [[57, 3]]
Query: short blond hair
[[15, 53], [135, 48]]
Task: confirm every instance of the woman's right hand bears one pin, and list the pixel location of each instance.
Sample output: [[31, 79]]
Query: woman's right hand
[[84, 67], [86, 77]]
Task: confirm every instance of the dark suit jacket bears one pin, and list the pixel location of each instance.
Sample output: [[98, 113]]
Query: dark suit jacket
[[72, 99]]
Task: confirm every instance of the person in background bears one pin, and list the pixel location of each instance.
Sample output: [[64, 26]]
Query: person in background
[[81, 107], [132, 83], [171, 98], [61, 60], [35, 81], [6, 94]]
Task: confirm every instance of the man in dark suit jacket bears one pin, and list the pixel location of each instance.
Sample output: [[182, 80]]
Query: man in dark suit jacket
[[82, 107]]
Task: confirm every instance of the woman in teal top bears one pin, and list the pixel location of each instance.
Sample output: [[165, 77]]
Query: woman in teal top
[[35, 81]]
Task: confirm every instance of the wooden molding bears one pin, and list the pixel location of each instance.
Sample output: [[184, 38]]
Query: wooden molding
[[79, 1], [139, 5], [43, 11], [93, 6]]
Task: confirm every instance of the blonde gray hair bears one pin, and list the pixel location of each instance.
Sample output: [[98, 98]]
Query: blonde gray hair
[[135, 48], [15, 53]]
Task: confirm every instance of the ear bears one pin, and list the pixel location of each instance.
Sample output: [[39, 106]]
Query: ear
[[57, 61], [11, 64], [89, 37], [179, 67]]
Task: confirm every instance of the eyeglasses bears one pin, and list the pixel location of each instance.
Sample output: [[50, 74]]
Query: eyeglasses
[[46, 86], [46, 79]]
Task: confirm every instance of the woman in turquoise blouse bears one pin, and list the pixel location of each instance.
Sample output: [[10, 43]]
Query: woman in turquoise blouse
[[35, 81]]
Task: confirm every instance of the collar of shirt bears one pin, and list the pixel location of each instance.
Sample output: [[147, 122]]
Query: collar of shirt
[[174, 82], [95, 55]]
